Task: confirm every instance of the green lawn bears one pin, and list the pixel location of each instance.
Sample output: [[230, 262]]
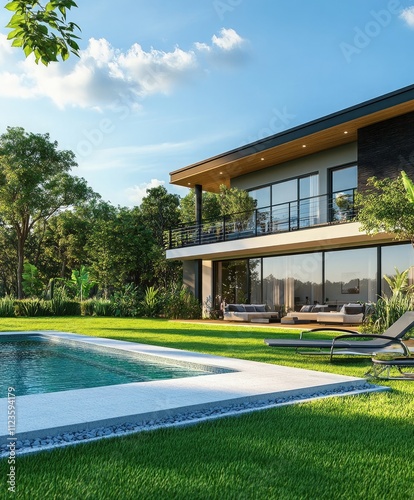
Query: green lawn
[[351, 447]]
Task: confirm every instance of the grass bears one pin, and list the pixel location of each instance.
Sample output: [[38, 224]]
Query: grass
[[353, 447]]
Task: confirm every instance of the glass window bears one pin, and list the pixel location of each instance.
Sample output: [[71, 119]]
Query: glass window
[[262, 196], [351, 276], [289, 282], [343, 183], [232, 282], [396, 256], [286, 191], [344, 178], [255, 278], [309, 203]]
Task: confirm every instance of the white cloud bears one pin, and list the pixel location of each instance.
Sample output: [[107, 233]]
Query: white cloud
[[229, 40], [407, 15], [103, 75], [137, 193]]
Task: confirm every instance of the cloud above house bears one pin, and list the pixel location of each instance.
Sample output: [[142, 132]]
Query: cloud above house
[[407, 15], [136, 194], [103, 75]]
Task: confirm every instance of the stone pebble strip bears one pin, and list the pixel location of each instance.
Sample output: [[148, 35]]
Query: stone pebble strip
[[181, 419]]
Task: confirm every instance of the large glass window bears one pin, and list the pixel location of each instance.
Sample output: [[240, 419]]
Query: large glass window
[[395, 257], [232, 282], [351, 276], [292, 206], [289, 282]]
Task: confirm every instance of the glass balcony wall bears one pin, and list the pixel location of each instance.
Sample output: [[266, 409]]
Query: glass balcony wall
[[283, 217]]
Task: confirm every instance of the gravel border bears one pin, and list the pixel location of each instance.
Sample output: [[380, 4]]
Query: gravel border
[[180, 419]]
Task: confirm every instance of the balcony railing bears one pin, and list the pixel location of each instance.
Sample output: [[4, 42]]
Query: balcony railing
[[302, 214]]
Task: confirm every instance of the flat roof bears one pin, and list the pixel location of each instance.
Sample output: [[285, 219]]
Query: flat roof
[[318, 135]]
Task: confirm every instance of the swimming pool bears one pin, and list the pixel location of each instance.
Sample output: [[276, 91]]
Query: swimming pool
[[229, 382], [35, 364]]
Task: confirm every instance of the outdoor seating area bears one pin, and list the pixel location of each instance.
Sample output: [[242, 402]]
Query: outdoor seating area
[[322, 313], [255, 313]]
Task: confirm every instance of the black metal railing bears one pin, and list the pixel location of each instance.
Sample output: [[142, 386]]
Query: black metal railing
[[292, 216]]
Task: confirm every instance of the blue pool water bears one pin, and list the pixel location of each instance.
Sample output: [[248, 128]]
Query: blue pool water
[[33, 364]]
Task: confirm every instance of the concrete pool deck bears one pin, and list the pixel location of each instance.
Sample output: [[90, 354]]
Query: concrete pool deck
[[42, 415]]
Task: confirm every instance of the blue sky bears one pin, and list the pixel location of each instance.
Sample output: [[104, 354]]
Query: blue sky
[[162, 84]]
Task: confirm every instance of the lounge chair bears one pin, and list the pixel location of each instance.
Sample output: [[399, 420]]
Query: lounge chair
[[352, 343]]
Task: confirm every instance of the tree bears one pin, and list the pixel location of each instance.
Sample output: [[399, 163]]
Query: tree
[[160, 212], [34, 185], [211, 207], [119, 248], [42, 29], [385, 207], [228, 202]]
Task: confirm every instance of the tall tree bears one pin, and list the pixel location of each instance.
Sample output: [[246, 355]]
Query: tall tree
[[34, 184], [160, 211], [119, 249], [41, 28]]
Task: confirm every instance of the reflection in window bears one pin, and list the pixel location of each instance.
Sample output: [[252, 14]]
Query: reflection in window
[[289, 282], [232, 282], [351, 276], [255, 278], [343, 183], [262, 196], [396, 256]]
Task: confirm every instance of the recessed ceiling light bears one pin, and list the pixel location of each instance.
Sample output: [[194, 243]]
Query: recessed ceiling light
[[303, 145], [261, 159], [189, 183], [346, 131], [221, 173]]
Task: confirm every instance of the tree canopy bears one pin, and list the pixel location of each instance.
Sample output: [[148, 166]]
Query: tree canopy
[[34, 184], [385, 207], [43, 29]]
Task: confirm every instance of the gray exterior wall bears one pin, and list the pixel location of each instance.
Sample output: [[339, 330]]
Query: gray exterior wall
[[318, 162]]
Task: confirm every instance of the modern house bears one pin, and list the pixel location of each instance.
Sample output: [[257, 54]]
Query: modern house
[[302, 243]]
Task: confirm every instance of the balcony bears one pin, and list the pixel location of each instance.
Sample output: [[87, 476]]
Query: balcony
[[306, 213]]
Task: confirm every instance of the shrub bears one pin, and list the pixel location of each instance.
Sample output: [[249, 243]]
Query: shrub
[[32, 307], [62, 306], [7, 307], [126, 302], [97, 307], [151, 304], [390, 308], [180, 303], [386, 312]]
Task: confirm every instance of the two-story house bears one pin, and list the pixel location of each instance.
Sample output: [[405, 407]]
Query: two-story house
[[301, 244]]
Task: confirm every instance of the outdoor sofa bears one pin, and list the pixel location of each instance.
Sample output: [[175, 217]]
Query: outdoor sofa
[[249, 313], [348, 314]]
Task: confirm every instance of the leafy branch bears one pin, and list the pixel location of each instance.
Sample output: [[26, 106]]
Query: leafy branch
[[43, 29]]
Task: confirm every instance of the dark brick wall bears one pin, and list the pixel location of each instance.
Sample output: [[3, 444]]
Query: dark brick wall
[[386, 148]]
